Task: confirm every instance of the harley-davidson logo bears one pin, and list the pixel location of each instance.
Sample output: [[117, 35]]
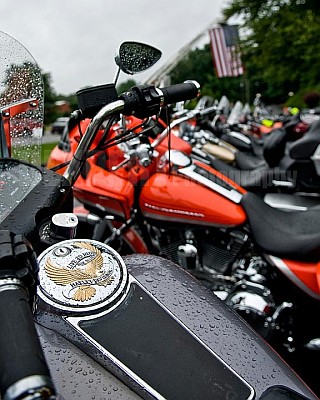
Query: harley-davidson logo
[[79, 272], [174, 211], [82, 274]]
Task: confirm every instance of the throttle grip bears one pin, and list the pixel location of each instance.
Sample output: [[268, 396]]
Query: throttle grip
[[146, 100], [23, 368], [180, 92]]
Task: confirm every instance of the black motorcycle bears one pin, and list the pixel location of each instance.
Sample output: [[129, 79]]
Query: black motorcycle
[[77, 321]]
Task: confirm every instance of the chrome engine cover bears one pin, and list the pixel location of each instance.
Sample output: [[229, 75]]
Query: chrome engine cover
[[255, 304]]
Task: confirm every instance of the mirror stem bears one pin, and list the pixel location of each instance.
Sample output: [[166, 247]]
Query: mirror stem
[[117, 76]]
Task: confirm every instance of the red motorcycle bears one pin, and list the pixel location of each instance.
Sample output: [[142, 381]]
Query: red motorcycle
[[77, 319], [141, 197], [138, 194]]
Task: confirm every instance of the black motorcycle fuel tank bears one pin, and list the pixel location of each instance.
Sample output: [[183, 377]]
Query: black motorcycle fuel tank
[[155, 328]]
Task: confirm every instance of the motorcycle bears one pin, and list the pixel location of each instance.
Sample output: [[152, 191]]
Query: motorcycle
[[278, 163], [79, 321], [281, 162], [146, 198], [287, 158]]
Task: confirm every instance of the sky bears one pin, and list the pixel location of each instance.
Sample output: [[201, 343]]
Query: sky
[[76, 40]]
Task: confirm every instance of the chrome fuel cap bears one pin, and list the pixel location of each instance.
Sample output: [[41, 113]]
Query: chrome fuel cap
[[81, 275]]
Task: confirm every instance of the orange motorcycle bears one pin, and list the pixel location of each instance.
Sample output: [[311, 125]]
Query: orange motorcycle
[[140, 193], [139, 196], [76, 318]]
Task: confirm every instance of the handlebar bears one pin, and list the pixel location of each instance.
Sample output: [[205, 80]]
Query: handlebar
[[23, 369], [142, 101], [186, 117], [180, 92], [173, 124], [145, 101]]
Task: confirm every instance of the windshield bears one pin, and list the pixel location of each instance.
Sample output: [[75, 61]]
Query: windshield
[[235, 113], [224, 105], [21, 102]]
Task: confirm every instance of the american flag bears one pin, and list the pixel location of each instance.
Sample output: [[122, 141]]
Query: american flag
[[225, 51]]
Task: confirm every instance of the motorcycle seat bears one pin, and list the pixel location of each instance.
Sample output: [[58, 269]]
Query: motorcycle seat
[[292, 235], [305, 147], [257, 180], [248, 161]]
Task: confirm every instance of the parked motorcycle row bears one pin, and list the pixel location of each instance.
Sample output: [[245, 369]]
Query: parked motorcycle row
[[93, 301]]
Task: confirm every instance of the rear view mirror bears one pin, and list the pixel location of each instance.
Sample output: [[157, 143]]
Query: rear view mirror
[[135, 57]]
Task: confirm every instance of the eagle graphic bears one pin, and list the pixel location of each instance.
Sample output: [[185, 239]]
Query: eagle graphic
[[81, 278]]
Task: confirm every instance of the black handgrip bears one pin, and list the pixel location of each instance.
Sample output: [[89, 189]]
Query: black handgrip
[[146, 100], [180, 92], [23, 368], [22, 364]]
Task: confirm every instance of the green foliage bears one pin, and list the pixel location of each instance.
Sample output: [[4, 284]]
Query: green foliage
[[124, 86], [198, 65], [280, 50], [50, 97], [51, 112], [46, 149], [281, 47]]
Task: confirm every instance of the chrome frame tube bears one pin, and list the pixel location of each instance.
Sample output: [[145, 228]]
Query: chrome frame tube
[[74, 168]]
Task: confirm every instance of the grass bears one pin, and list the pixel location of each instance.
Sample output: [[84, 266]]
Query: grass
[[46, 149], [30, 153]]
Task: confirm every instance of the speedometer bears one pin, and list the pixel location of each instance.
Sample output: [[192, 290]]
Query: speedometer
[[16, 181]]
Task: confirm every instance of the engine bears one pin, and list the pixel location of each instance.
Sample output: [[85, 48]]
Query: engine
[[207, 251], [223, 262]]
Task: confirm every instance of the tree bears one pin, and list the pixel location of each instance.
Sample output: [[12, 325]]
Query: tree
[[124, 86], [280, 51], [50, 98], [21, 81], [51, 112], [198, 65], [281, 47]]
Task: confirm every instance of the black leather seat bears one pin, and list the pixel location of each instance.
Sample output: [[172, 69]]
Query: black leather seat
[[292, 235], [257, 180]]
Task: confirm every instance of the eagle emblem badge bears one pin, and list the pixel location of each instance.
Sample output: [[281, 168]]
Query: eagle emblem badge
[[81, 273]]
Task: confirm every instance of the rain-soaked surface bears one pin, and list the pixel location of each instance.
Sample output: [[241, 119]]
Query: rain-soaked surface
[[220, 328], [78, 376], [137, 57], [20, 81]]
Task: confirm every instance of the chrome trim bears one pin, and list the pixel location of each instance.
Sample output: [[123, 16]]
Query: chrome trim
[[12, 284], [160, 93], [31, 388], [175, 211], [282, 206], [240, 136], [288, 184], [73, 170], [74, 322], [232, 194], [316, 159], [313, 344], [172, 125], [170, 218], [196, 84], [279, 263], [178, 158]]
